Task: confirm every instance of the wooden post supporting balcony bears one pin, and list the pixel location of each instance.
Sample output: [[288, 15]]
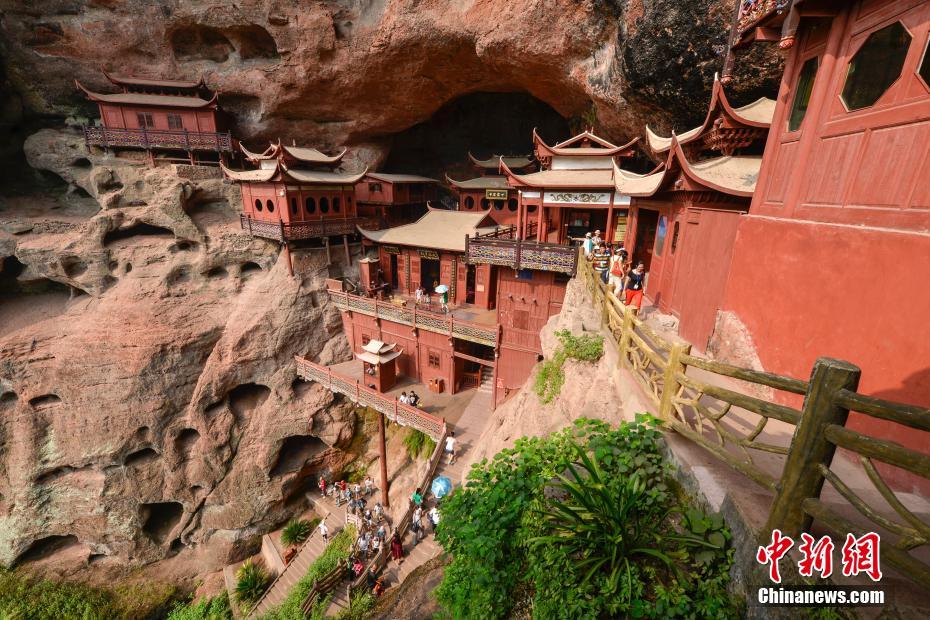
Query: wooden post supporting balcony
[[386, 500]]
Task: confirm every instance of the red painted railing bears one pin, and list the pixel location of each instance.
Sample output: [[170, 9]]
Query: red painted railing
[[279, 231], [158, 138], [501, 248], [358, 392], [430, 321]]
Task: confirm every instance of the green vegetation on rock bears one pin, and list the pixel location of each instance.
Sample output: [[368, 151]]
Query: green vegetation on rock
[[418, 444], [295, 532], [251, 581], [551, 376], [583, 523], [216, 608]]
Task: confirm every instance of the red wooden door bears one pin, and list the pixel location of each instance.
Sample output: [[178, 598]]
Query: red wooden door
[[414, 270]]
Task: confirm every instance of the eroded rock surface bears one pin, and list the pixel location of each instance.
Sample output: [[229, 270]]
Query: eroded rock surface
[[148, 402], [356, 72]]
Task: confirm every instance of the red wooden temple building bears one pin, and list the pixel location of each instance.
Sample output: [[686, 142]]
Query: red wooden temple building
[[843, 198], [491, 194], [395, 198], [297, 193], [492, 165], [180, 120]]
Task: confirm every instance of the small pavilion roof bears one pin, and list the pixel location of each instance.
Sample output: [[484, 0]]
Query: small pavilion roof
[[733, 175], [308, 155], [588, 145], [130, 81], [493, 162], [759, 113], [486, 182], [384, 358], [593, 179], [377, 347], [282, 172], [438, 229], [400, 178], [164, 101]]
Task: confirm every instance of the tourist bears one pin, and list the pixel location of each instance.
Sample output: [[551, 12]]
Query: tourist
[[450, 447], [419, 294], [414, 399], [416, 524], [369, 485], [322, 485], [382, 532], [426, 297], [357, 490], [358, 567], [350, 562], [434, 517], [378, 588], [597, 238], [588, 245], [601, 262], [378, 512], [363, 545], [617, 271], [324, 532], [404, 399], [397, 548], [417, 498], [375, 545], [444, 300], [635, 281], [346, 495], [343, 485]]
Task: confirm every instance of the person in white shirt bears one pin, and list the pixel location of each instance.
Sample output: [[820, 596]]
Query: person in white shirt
[[450, 447], [434, 517], [324, 531], [404, 399]]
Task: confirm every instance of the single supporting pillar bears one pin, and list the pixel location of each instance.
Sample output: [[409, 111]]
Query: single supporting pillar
[[345, 244], [287, 257], [329, 258], [383, 450]]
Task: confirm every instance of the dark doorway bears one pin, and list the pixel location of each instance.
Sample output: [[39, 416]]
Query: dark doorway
[[646, 223], [393, 271], [429, 274], [470, 285], [581, 222]]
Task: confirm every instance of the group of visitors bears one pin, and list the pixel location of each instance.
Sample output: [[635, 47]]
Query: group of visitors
[[411, 399], [416, 520], [616, 269], [424, 296]]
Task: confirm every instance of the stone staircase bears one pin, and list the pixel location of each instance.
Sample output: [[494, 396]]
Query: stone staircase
[[311, 550]]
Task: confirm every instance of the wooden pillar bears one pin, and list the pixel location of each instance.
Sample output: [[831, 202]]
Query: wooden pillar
[[539, 220], [329, 258], [801, 477], [383, 451], [609, 233], [345, 244], [287, 257]]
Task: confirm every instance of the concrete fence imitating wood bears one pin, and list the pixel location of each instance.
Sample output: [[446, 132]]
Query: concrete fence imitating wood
[[736, 428]]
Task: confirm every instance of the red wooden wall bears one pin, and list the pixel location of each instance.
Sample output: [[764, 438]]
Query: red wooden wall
[[292, 207], [503, 212], [124, 117]]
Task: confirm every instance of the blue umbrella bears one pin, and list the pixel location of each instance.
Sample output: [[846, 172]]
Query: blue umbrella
[[441, 487]]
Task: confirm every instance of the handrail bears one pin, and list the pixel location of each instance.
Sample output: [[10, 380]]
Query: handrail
[[160, 138], [357, 392], [323, 227], [496, 249]]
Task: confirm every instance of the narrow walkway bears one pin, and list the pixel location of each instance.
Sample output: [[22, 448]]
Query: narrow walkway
[[312, 549], [467, 431]]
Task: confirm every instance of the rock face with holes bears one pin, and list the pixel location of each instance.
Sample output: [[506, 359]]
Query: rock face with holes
[[148, 402], [314, 69]]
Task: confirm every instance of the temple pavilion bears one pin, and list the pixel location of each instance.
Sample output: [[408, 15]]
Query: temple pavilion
[[395, 198], [179, 120], [492, 165], [298, 193]]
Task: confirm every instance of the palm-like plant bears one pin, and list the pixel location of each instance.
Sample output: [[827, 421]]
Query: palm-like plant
[[610, 526], [251, 580], [295, 532]]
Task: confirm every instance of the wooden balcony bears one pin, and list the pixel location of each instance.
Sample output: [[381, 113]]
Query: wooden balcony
[[430, 321], [143, 138], [357, 392], [502, 248], [279, 231]]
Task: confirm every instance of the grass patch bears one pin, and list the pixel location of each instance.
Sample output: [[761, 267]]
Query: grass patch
[[216, 608], [418, 444], [359, 608], [42, 599], [551, 375], [336, 552]]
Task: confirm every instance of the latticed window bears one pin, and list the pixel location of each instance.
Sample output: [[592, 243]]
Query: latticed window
[[433, 359], [876, 66], [145, 119], [174, 121]]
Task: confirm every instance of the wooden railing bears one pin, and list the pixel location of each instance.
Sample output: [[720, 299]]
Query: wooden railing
[[742, 429], [471, 379], [501, 248], [280, 231], [378, 563], [358, 392], [430, 321], [144, 138]]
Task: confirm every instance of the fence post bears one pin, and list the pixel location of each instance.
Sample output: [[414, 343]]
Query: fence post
[[670, 385], [801, 478], [625, 330]]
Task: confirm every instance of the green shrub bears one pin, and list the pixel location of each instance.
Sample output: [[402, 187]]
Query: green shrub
[[418, 444], [216, 608], [551, 375], [295, 532], [337, 551], [251, 581], [361, 605], [585, 523]]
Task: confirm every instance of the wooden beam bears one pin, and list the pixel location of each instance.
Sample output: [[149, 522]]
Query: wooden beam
[[767, 35], [477, 360]]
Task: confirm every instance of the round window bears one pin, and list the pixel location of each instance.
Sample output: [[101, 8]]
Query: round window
[[324, 205], [512, 204], [270, 205], [258, 204], [469, 202], [310, 205], [498, 205], [335, 205], [530, 208], [485, 204]]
